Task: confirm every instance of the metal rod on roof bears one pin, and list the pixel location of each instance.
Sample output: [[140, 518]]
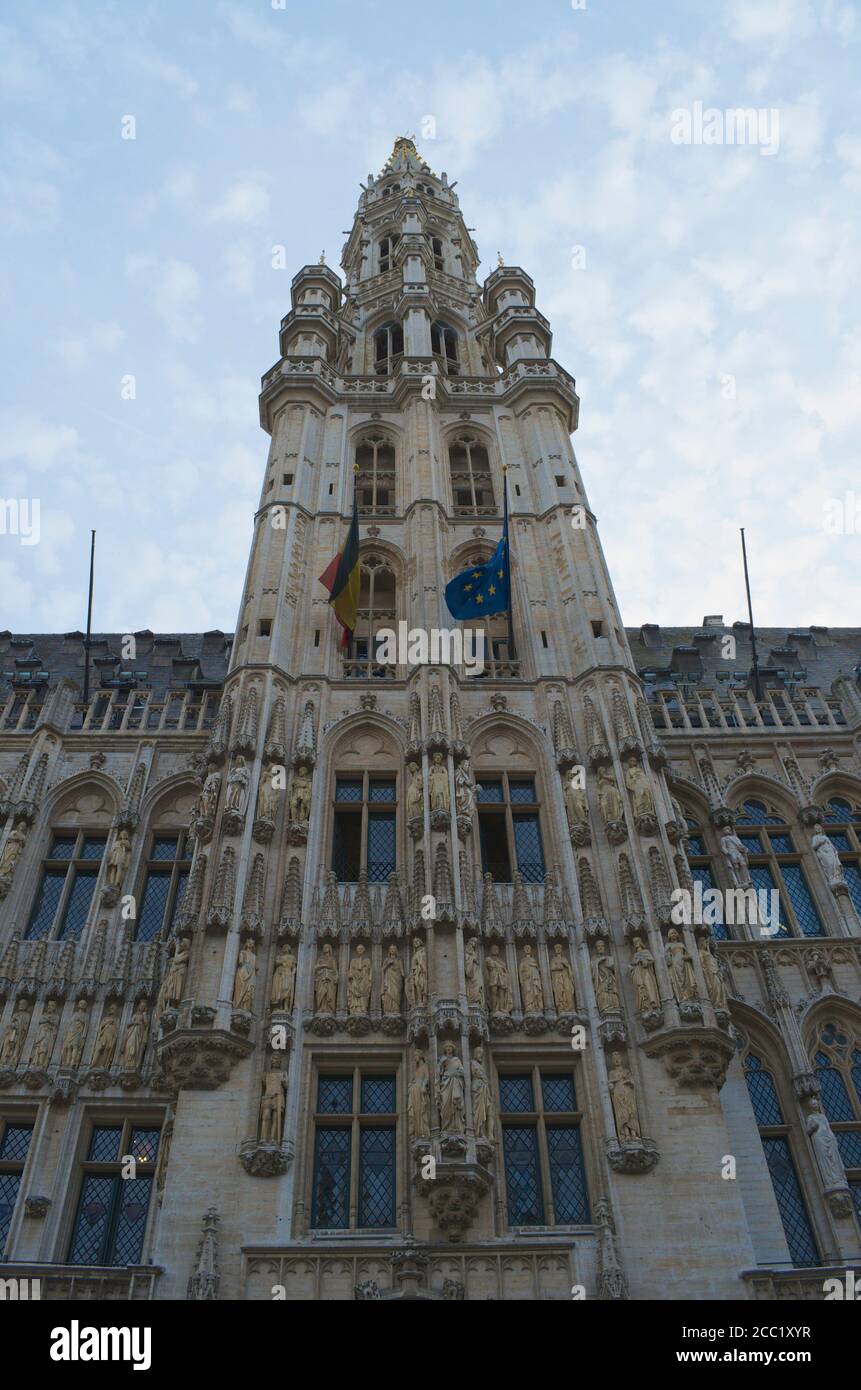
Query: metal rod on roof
[[89, 620], [757, 686]]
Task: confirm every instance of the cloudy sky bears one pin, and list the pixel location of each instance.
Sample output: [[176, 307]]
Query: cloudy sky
[[705, 295]]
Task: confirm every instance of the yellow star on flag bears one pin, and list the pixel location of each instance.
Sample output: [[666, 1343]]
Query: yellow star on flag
[[491, 589], [466, 588], [479, 598], [499, 574], [477, 574]]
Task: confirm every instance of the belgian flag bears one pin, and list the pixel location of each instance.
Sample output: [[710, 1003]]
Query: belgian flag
[[341, 578]]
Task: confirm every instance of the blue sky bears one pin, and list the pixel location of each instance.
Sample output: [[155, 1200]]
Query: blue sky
[[713, 329]]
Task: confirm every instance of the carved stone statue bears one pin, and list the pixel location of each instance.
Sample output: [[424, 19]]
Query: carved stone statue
[[274, 1090], [393, 981], [735, 857], [712, 976], [267, 796], [498, 982], [450, 1092], [438, 784], [209, 796], [531, 992], [576, 805], [680, 968], [418, 1100], [638, 786], [76, 1035], [624, 1099], [828, 857], [46, 1036], [237, 787], [417, 984], [609, 799], [172, 985], [326, 981], [482, 1102], [561, 980], [284, 980], [472, 972], [12, 850], [359, 983], [464, 790], [106, 1037], [825, 1149], [644, 979], [14, 1034], [604, 977], [118, 859], [135, 1040], [246, 977], [300, 795], [415, 793]]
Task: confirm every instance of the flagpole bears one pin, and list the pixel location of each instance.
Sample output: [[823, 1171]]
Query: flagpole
[[355, 485], [89, 624], [512, 654], [757, 688]]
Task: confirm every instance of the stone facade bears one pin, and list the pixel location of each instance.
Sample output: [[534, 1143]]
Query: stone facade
[[222, 763]]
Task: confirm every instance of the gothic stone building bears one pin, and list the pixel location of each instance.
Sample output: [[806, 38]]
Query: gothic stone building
[[379, 999]]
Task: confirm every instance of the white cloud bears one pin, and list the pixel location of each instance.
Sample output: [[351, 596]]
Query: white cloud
[[245, 201]]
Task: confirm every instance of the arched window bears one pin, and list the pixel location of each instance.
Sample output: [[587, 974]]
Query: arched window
[[364, 834], [444, 345], [377, 609], [168, 865], [509, 825], [388, 348], [837, 1059], [846, 839], [386, 248], [435, 244], [375, 480], [774, 1133], [471, 483], [700, 864], [775, 864], [67, 885]]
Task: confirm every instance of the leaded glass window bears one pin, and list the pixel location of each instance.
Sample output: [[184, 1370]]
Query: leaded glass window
[[700, 864], [165, 878], [775, 864], [65, 893], [354, 1177], [375, 478], [365, 825], [15, 1140], [837, 1059], [110, 1222], [509, 825], [774, 1133], [471, 482], [847, 842], [545, 1176]]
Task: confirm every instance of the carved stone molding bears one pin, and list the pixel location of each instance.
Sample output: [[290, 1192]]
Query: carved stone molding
[[198, 1061], [266, 1160], [37, 1207], [693, 1056], [634, 1156], [454, 1194]]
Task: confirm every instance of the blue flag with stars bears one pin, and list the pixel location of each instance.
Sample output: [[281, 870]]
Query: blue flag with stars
[[486, 588]]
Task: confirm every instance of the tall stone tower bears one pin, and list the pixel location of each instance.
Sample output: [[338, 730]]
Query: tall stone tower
[[424, 1023], [459, 864]]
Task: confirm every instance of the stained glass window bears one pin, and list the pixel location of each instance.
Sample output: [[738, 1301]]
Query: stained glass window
[[838, 1066]]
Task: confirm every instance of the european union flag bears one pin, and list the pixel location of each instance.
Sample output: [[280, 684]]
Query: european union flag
[[486, 588]]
